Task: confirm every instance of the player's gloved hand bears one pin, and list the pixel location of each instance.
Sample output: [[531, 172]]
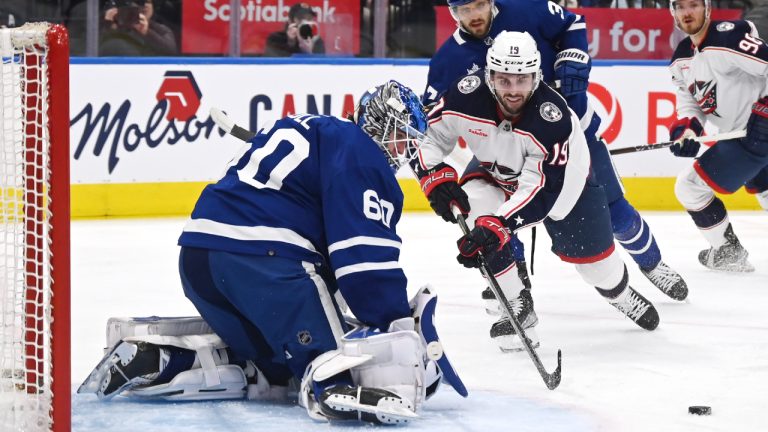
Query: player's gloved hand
[[686, 148], [572, 68], [489, 235], [756, 140], [680, 126], [441, 186]]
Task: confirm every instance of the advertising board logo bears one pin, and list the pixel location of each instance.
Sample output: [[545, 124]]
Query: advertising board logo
[[180, 89], [112, 130], [611, 124]]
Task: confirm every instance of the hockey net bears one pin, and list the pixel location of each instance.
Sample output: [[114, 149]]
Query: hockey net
[[34, 229]]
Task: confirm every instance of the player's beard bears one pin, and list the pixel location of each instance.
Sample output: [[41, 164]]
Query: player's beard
[[512, 103], [478, 27], [694, 25]]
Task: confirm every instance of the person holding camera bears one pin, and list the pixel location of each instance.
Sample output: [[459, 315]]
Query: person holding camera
[[300, 35], [129, 30]]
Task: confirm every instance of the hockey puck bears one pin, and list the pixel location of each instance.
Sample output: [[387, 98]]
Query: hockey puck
[[434, 350], [700, 410]]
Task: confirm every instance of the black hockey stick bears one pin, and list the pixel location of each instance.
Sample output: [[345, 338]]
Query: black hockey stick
[[665, 144], [226, 124], [552, 380]]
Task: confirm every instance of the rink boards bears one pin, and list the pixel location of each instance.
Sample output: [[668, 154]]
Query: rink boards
[[143, 144]]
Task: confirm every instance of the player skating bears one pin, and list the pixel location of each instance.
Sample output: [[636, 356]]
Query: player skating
[[562, 41], [306, 211], [533, 166], [720, 72]]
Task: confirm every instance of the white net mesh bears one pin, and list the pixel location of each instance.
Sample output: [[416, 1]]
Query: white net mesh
[[25, 359]]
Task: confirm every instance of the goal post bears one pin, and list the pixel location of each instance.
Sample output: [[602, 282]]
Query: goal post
[[35, 383]]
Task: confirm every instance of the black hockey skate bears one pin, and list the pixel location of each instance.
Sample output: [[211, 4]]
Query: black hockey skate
[[668, 281], [504, 333], [372, 405], [730, 257], [492, 305], [634, 306], [127, 365]]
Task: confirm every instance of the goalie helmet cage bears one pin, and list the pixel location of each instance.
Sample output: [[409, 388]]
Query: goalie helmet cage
[[34, 229]]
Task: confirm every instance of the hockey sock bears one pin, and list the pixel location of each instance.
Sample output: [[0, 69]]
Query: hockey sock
[[634, 234], [517, 248], [712, 220]]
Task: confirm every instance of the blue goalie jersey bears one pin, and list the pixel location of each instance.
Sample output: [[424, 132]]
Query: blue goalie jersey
[[315, 189]]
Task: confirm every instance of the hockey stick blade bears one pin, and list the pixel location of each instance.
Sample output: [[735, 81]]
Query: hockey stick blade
[[551, 380], [665, 144], [227, 125]]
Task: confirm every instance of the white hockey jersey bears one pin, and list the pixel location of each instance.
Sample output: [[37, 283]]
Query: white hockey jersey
[[540, 160], [720, 79]]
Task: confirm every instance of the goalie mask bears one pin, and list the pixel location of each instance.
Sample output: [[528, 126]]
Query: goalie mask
[[393, 117], [513, 67]]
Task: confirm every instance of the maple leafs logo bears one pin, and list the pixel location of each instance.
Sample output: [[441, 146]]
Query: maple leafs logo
[[705, 94]]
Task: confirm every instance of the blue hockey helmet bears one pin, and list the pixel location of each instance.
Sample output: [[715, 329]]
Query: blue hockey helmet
[[392, 115], [454, 3]]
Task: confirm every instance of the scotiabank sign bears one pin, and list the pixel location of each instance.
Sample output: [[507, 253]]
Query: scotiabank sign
[[633, 34], [205, 25]]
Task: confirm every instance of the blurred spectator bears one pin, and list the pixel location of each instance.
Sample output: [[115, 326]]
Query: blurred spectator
[[10, 18], [129, 30], [300, 35]]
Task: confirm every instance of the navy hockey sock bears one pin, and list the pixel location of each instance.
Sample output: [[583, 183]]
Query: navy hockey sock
[[634, 234], [711, 215]]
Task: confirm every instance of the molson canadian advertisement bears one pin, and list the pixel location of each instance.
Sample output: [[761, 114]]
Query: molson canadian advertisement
[[149, 145]]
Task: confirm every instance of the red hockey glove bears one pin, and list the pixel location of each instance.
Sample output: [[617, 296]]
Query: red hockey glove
[[441, 186], [489, 235]]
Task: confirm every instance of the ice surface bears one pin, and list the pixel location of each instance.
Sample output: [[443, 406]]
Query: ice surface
[[710, 350]]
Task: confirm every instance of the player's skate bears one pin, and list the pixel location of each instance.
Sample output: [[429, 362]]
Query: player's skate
[[503, 332], [366, 404], [730, 257], [668, 281], [634, 306], [127, 365], [492, 305]]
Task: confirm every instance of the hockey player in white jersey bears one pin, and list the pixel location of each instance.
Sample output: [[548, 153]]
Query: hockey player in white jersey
[[534, 167], [720, 71], [306, 212]]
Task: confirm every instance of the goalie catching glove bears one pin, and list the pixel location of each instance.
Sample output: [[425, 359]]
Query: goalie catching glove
[[489, 235], [441, 187]]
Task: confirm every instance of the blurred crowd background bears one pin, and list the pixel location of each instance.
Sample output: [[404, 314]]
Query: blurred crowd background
[[276, 28]]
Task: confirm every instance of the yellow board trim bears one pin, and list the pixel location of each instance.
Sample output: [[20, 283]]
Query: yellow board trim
[[178, 199]]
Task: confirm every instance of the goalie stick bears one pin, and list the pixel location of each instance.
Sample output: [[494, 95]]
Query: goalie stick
[[551, 380], [665, 144]]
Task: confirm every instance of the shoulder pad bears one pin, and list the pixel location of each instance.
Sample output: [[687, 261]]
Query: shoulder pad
[[546, 116], [726, 34], [684, 50], [470, 95]]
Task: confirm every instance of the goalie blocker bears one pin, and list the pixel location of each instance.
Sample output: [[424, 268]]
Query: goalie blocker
[[379, 377]]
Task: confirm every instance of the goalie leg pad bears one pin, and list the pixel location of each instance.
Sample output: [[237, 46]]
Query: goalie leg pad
[[191, 385], [423, 305], [390, 365]]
